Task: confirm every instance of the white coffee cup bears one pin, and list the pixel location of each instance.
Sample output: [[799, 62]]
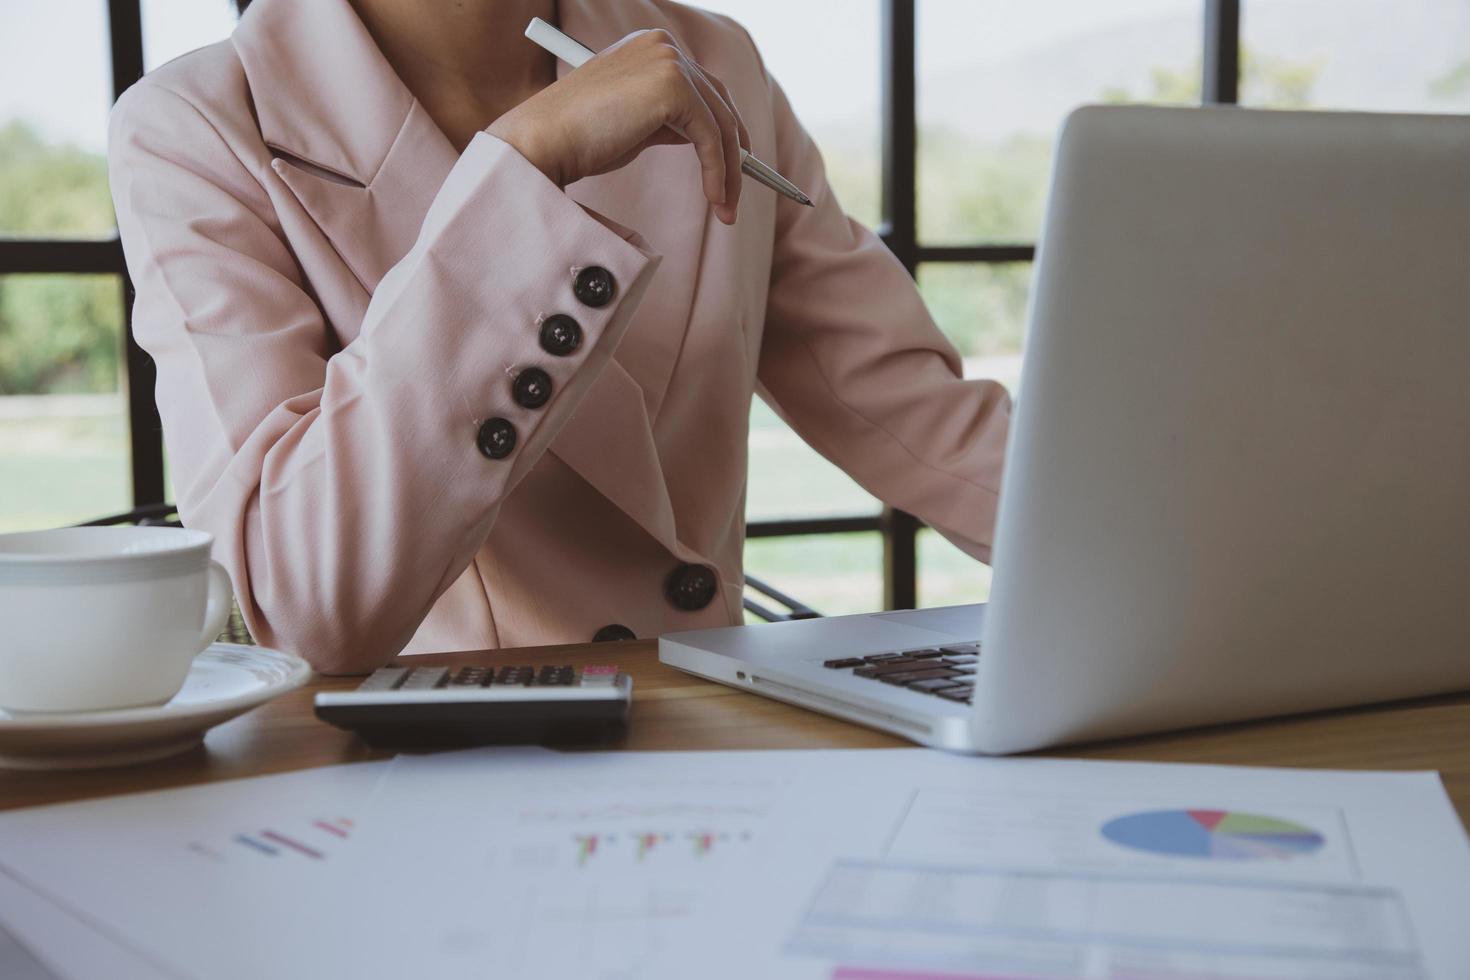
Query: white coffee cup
[[93, 618]]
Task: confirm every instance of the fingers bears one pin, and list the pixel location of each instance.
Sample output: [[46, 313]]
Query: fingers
[[649, 92], [731, 134], [704, 114], [699, 125]]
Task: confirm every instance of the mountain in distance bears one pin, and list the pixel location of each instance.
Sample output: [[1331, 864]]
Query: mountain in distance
[[1367, 54]]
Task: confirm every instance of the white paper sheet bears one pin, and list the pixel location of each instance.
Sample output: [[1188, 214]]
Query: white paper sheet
[[63, 946], [1049, 868], [572, 865], [843, 865], [197, 882], [907, 864]]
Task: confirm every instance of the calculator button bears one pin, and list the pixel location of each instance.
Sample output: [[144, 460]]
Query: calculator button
[[514, 675], [425, 679], [599, 675], [961, 648], [384, 679], [471, 677], [555, 676], [841, 662]]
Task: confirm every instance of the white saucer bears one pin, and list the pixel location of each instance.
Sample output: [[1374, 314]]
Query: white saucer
[[225, 680]]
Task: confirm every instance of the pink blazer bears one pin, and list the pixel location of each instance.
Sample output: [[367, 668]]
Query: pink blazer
[[428, 401]]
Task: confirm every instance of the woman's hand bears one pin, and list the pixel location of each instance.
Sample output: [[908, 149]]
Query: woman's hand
[[641, 92]]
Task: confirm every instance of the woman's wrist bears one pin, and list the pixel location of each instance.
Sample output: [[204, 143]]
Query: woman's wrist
[[526, 141]]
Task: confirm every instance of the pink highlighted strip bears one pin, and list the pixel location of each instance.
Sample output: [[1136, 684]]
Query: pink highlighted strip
[[863, 973]]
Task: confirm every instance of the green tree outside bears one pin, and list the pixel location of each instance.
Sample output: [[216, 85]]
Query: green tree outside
[[58, 334]]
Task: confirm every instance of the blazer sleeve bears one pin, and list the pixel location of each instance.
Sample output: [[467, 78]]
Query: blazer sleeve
[[347, 489], [852, 360]]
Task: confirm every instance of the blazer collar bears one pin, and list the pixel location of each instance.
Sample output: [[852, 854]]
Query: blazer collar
[[324, 92], [322, 89]]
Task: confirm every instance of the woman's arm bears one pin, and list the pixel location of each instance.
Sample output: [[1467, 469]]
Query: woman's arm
[[855, 364], [348, 489]]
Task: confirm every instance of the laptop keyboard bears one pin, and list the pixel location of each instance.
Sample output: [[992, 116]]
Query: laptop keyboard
[[947, 671]]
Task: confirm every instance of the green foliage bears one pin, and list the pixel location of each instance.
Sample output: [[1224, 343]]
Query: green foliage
[[57, 333], [971, 191], [1453, 83], [981, 307], [1265, 80], [51, 191], [1276, 83]]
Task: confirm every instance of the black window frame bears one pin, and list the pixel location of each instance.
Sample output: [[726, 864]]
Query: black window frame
[[899, 231]]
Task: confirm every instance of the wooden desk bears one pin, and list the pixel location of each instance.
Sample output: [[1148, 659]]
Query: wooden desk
[[675, 711]]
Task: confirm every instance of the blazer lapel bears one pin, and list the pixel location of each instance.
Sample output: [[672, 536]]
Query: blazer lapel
[[365, 160], [353, 145]]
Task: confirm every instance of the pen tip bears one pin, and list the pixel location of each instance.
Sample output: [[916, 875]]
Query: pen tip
[[808, 201]]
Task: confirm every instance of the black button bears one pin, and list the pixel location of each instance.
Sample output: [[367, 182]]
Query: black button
[[613, 632], [560, 335], [691, 587], [497, 438], [532, 388], [594, 286]]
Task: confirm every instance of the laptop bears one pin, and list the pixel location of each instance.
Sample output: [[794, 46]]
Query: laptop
[[1238, 483]]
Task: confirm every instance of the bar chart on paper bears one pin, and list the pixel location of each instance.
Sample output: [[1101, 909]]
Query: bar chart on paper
[[643, 835], [578, 870], [657, 847], [312, 839]]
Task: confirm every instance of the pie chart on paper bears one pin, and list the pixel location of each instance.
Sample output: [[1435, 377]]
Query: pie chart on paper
[[1227, 835]]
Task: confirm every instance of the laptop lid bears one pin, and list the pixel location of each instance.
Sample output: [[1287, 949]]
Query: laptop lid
[[1239, 477]]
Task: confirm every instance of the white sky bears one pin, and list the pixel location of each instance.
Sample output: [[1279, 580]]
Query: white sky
[[54, 66]]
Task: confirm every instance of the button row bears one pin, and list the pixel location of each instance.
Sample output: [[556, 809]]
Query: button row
[[560, 336]]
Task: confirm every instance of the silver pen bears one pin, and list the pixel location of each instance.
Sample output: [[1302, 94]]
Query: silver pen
[[577, 54]]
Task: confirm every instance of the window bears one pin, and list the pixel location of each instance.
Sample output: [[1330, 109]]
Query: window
[[1386, 55], [948, 576], [982, 308], [53, 120], [832, 573], [997, 78], [63, 422], [175, 27]]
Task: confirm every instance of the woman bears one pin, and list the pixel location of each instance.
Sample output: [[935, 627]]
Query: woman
[[453, 354]]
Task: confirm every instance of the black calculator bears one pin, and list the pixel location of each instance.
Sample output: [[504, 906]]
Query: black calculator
[[435, 707]]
